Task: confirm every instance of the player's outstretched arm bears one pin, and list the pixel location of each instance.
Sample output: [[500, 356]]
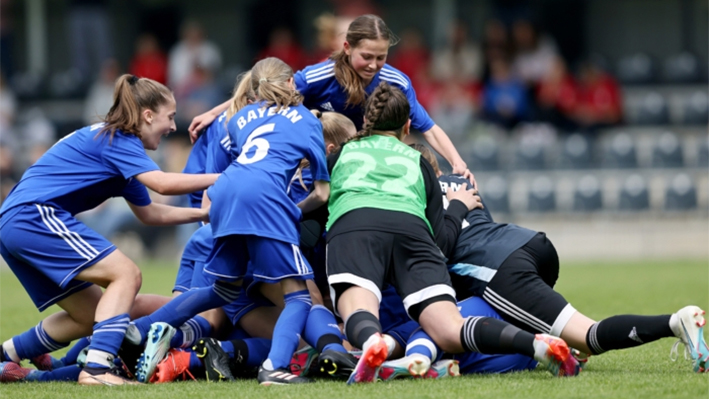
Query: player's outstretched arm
[[176, 183], [438, 139], [316, 198], [201, 121], [156, 214]]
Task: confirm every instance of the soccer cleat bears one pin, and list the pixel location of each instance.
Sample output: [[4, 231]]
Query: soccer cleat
[[415, 365], [688, 325], [174, 366], [103, 376], [156, 349], [581, 357], [337, 364], [128, 352], [554, 354], [302, 360], [216, 361], [443, 368], [46, 362], [13, 372], [367, 367], [279, 377]]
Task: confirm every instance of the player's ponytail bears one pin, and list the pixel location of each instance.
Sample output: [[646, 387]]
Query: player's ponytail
[[386, 110], [130, 97], [428, 155], [242, 95], [269, 82], [364, 27]]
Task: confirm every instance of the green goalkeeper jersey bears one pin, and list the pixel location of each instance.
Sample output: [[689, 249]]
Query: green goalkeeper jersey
[[377, 172]]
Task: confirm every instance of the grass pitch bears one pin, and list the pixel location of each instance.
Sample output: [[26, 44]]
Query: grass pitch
[[596, 289]]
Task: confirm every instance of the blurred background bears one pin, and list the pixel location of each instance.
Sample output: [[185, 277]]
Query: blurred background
[[586, 119]]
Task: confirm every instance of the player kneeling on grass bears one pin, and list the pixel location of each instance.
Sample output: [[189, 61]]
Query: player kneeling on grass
[[58, 259], [386, 219], [514, 269]]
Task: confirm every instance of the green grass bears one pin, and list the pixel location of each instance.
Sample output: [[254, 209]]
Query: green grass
[[597, 289]]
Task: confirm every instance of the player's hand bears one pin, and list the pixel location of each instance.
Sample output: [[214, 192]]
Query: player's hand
[[205, 214], [462, 169], [198, 123], [470, 198]]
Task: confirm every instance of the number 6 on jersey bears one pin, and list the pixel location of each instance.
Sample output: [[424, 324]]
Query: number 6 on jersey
[[262, 145]]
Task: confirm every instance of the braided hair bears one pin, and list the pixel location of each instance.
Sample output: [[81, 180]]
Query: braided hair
[[386, 109]]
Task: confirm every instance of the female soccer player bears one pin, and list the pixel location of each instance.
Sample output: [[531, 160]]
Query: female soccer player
[[254, 223], [385, 213], [343, 82], [60, 260]]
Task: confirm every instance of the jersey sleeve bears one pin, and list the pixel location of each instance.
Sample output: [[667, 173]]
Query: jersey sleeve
[[420, 120], [127, 157], [218, 155], [316, 154], [136, 193], [300, 83]]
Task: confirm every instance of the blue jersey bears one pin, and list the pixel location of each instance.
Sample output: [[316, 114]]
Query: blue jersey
[[82, 170], [483, 245], [322, 91], [219, 153], [250, 197], [298, 190], [197, 161]]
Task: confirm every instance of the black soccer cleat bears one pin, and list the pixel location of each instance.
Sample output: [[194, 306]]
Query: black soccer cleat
[[129, 354], [216, 361], [336, 364], [279, 377]]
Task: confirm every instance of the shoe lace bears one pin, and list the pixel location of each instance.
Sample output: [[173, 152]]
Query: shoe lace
[[674, 352], [176, 370]]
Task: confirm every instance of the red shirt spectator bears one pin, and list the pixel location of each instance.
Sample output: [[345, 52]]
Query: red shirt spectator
[[412, 57], [282, 45], [599, 98], [558, 89], [149, 61]]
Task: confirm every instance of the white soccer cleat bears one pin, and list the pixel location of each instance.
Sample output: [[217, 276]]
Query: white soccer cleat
[[415, 365], [156, 349], [688, 325]]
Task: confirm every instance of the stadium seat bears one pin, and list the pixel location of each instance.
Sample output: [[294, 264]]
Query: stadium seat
[[495, 193], [681, 68], [577, 152], [695, 110], [634, 194], [587, 195], [620, 152], [703, 156], [652, 110], [667, 152], [541, 196], [636, 69], [529, 154], [681, 194], [483, 153]]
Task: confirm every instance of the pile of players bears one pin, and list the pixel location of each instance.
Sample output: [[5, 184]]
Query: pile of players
[[328, 247]]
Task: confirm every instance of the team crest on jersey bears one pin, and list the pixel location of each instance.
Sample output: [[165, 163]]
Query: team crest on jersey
[[327, 106]]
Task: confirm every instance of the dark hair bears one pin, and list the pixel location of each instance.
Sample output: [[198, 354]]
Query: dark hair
[[387, 109], [364, 27], [428, 155], [131, 96], [269, 83]]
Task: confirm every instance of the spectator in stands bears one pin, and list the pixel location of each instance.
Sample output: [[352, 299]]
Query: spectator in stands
[[412, 56], [600, 102], [7, 37], [8, 173], [194, 49], [460, 59], [455, 106], [283, 45], [557, 96], [100, 98], [534, 53], [504, 96], [149, 60], [8, 108], [89, 36], [198, 94], [326, 38]]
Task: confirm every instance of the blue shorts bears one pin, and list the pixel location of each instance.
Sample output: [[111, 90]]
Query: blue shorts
[[191, 275], [263, 259], [243, 305], [477, 363], [46, 248]]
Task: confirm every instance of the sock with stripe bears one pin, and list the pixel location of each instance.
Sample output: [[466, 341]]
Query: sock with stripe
[[106, 339], [360, 326], [627, 331], [75, 351], [289, 326], [322, 331], [188, 333], [492, 336], [422, 344], [186, 306], [30, 344], [66, 373]]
